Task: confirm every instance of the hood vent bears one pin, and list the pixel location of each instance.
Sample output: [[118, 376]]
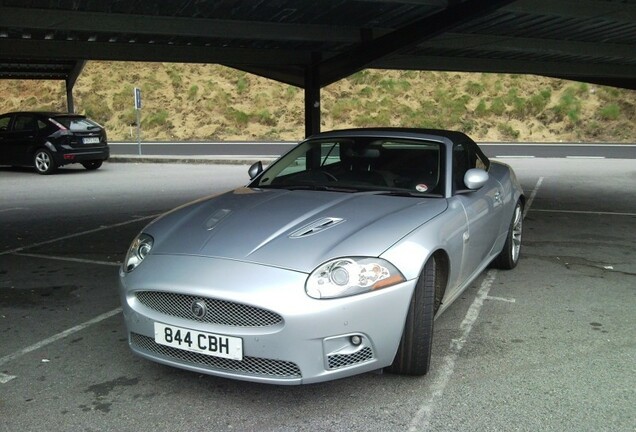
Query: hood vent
[[316, 226], [216, 218]]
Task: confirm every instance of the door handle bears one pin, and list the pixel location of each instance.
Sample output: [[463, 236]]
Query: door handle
[[498, 198]]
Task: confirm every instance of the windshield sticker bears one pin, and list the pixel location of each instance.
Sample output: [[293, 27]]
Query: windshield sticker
[[421, 187]]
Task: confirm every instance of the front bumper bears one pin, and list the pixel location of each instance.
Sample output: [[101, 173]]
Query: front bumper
[[310, 343]]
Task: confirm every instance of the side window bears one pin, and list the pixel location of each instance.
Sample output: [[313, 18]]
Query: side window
[[24, 123], [480, 163], [464, 158], [4, 123]]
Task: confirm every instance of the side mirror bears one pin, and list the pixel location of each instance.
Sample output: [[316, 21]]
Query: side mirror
[[475, 178], [255, 170]]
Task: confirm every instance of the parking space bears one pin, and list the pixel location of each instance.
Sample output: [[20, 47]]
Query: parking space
[[547, 346]]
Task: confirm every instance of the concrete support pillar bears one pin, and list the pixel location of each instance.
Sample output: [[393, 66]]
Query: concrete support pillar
[[70, 83], [312, 98], [70, 105]]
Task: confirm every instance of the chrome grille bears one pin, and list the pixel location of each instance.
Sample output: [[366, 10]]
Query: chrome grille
[[249, 365], [218, 311], [341, 360]]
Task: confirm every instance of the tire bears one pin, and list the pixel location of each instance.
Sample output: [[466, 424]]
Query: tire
[[413, 356], [509, 255], [44, 162], [92, 165]]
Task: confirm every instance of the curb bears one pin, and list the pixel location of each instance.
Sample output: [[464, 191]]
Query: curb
[[212, 160]]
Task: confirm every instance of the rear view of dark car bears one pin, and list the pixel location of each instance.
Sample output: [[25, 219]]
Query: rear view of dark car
[[47, 141]]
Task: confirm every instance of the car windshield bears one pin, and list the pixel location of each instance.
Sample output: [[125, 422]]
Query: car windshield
[[77, 124], [392, 166]]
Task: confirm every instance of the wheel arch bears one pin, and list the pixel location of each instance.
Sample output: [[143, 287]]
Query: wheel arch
[[442, 275]]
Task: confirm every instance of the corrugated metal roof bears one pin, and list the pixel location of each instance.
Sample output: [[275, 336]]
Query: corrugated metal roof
[[588, 40]]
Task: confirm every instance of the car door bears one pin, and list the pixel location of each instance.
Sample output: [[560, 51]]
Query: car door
[[483, 207], [22, 138], [5, 135]]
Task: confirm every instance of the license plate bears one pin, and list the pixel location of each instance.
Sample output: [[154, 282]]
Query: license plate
[[91, 140], [200, 342]]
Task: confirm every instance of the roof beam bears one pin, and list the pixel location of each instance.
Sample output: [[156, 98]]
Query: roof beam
[[346, 63], [109, 23], [32, 75], [77, 50], [620, 12], [471, 41], [439, 3], [287, 75]]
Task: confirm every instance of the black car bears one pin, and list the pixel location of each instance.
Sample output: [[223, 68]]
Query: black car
[[49, 140]]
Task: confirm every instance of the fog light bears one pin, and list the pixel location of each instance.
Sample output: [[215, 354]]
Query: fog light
[[356, 340]]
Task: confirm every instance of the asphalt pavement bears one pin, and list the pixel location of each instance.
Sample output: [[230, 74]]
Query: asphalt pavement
[[548, 346]]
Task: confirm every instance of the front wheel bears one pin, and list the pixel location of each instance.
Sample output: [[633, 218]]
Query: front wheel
[[509, 255], [92, 165], [43, 161], [413, 356]]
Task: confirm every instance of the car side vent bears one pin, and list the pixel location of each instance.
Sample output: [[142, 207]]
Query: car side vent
[[316, 226], [216, 218]]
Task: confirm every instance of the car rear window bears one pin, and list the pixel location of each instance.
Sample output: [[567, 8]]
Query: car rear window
[[76, 123]]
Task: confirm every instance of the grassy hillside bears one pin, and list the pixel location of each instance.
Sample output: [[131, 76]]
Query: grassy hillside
[[210, 102]]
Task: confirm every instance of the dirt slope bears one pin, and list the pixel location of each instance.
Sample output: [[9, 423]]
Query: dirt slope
[[210, 102]]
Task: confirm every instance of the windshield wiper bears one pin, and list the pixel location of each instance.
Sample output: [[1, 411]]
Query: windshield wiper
[[311, 187], [405, 193]]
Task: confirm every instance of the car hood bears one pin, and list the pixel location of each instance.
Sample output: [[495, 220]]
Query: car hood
[[297, 230]]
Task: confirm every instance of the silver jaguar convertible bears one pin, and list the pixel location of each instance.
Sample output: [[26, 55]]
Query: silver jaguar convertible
[[331, 262]]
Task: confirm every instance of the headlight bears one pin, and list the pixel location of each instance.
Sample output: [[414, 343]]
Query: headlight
[[137, 251], [350, 276]]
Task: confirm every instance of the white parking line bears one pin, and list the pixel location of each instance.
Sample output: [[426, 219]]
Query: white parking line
[[501, 299], [422, 418], [4, 378], [438, 385], [59, 258], [532, 196], [56, 337], [585, 157], [102, 228]]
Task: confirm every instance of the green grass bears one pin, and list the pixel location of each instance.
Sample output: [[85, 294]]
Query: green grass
[[366, 91], [242, 84], [481, 110], [238, 117], [497, 106], [193, 91], [610, 112], [155, 119], [569, 105], [123, 99], [175, 77], [507, 131], [264, 117], [474, 88], [94, 107], [538, 102], [345, 108]]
